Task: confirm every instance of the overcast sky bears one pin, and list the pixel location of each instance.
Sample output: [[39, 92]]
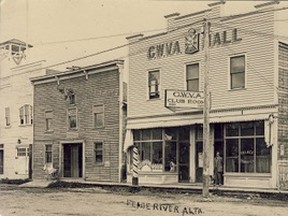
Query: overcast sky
[[61, 30]]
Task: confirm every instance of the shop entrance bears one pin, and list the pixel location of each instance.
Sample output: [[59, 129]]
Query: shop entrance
[[73, 160], [199, 161], [183, 167]]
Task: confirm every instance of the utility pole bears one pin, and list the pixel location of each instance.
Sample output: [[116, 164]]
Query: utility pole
[[206, 123]]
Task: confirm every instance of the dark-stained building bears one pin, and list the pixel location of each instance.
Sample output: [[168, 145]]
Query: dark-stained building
[[78, 122]]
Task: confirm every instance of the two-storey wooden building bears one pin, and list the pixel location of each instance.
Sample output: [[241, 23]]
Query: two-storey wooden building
[[78, 122], [247, 75]]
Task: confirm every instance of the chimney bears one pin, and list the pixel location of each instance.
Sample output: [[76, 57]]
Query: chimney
[[217, 9], [171, 20]]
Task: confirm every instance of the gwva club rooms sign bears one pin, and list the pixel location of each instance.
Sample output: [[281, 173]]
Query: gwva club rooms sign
[[192, 41], [183, 99]]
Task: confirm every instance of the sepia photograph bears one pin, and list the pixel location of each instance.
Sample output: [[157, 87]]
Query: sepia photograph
[[143, 107]]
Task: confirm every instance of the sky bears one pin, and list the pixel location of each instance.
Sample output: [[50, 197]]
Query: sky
[[61, 30]]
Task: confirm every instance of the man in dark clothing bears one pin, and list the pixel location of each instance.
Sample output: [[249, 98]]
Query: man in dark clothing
[[218, 169]]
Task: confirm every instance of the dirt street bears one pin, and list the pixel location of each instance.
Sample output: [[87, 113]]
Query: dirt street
[[96, 201]]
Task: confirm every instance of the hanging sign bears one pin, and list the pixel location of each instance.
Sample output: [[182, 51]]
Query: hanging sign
[[184, 99]]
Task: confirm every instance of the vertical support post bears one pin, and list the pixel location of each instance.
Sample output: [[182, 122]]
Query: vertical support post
[[206, 122], [135, 156]]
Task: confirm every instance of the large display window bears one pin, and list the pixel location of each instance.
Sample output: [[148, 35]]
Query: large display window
[[246, 151]]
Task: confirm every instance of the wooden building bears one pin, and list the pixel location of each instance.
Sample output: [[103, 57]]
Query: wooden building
[[248, 69], [78, 122]]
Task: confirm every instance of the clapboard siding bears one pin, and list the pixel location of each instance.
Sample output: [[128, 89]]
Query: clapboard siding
[[257, 44], [283, 100], [100, 88]]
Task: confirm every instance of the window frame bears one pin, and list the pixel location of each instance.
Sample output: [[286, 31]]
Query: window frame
[[158, 85], [94, 112], [230, 74], [97, 150], [186, 77], [46, 118], [26, 116], [69, 114], [50, 152]]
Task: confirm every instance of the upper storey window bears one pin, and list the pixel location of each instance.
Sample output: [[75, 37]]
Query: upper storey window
[[25, 114], [237, 72], [154, 84], [192, 77]]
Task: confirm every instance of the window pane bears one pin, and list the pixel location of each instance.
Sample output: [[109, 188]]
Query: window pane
[[154, 84], [247, 129], [193, 85], [99, 152], [184, 133], [199, 133], [260, 128], [170, 134], [136, 135], [72, 122], [247, 155], [192, 71], [146, 151], [237, 64], [157, 152], [170, 156], [238, 80], [232, 130], [98, 109], [154, 76], [263, 157], [157, 134], [48, 153], [232, 152], [146, 134], [48, 124]]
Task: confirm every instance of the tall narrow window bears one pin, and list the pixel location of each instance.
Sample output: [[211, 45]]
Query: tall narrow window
[[237, 72], [48, 120], [7, 117], [72, 118], [71, 98], [25, 114], [192, 77], [98, 113], [48, 153], [98, 148], [154, 84]]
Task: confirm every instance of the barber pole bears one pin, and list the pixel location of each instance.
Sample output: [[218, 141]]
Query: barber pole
[[135, 156]]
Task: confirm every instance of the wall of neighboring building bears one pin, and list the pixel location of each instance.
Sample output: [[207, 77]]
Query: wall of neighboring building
[[283, 116], [15, 92], [99, 88]]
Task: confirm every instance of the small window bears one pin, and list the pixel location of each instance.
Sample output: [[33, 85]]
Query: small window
[[98, 152], [72, 118], [237, 72], [48, 153], [26, 116], [154, 84], [71, 98], [21, 152], [98, 113], [7, 117], [192, 77], [48, 120]]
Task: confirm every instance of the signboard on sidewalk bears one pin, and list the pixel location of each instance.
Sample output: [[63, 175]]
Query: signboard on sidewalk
[[184, 99]]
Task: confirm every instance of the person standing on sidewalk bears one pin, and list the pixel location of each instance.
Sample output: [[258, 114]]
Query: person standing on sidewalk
[[218, 169]]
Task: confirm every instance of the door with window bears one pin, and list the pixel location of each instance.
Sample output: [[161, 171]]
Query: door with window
[[73, 160], [183, 166]]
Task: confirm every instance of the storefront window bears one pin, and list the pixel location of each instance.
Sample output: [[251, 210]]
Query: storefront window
[[157, 155], [246, 151], [170, 156]]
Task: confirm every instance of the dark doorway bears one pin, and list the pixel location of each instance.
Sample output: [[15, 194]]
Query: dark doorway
[[183, 166], [1, 161], [199, 161], [73, 160]]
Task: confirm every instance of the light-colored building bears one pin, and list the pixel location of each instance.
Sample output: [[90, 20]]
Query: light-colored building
[[248, 70], [16, 111]]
